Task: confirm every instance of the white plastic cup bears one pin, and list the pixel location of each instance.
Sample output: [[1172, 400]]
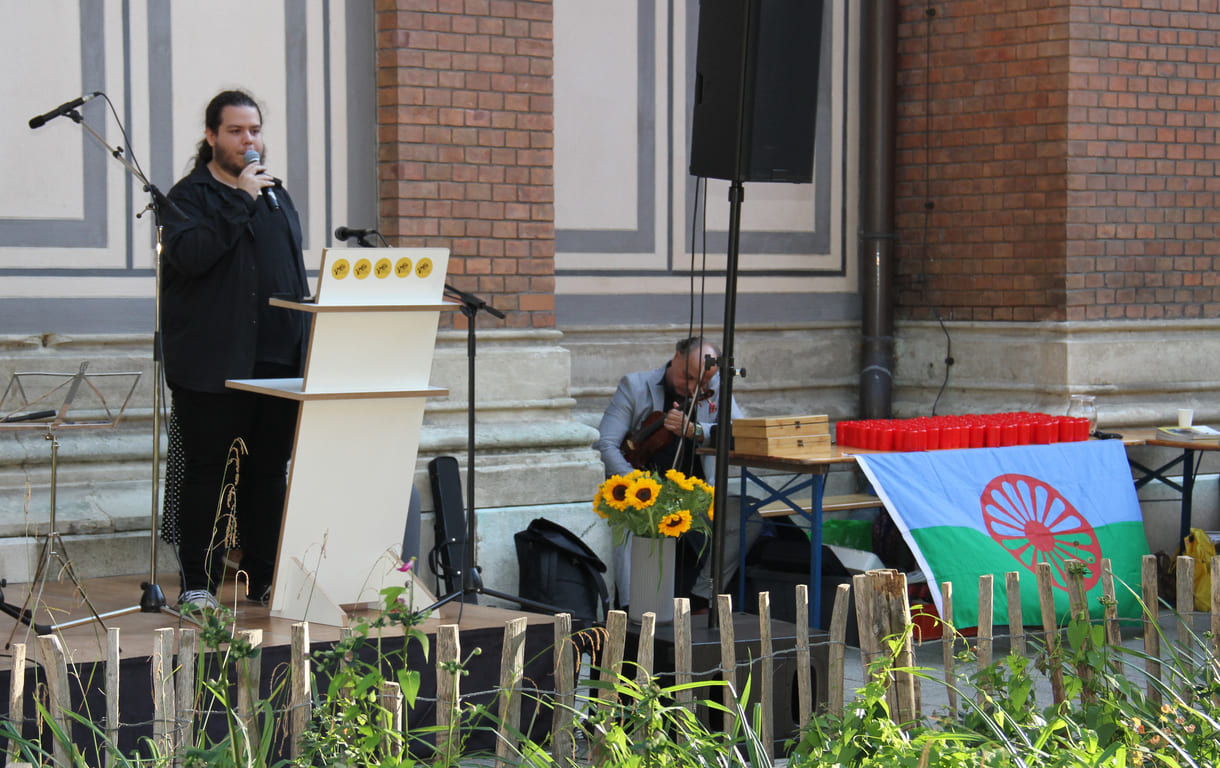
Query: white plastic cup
[[1186, 417]]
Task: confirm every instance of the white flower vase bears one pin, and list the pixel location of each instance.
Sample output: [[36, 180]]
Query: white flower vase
[[652, 578]]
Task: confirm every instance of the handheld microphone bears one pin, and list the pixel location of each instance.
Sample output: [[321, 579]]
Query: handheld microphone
[[62, 109], [273, 203], [346, 233]]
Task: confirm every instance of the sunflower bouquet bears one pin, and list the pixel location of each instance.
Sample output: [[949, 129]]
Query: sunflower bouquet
[[653, 506]]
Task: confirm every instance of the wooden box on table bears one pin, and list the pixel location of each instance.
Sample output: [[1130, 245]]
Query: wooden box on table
[[783, 436]]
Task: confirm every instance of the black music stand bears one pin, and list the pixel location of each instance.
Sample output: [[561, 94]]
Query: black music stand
[[59, 405]]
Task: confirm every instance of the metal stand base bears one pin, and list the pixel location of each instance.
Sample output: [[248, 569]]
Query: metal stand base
[[52, 547]]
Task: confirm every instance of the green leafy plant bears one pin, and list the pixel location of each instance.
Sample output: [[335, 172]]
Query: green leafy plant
[[1112, 715], [351, 724]]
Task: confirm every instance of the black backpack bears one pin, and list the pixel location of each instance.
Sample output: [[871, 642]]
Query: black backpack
[[557, 568]]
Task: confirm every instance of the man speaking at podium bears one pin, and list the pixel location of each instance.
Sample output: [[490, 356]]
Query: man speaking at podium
[[236, 245]]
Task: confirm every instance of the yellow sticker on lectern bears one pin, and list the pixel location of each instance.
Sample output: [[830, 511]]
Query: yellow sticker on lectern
[[424, 267], [339, 269], [382, 269], [363, 269], [403, 267]]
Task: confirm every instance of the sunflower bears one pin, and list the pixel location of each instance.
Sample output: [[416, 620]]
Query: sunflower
[[597, 505], [614, 492], [681, 480], [642, 494], [675, 524]]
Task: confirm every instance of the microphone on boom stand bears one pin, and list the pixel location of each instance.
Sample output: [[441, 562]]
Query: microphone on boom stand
[[343, 234]]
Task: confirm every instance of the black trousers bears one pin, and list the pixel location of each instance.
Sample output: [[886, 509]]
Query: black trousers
[[217, 483]]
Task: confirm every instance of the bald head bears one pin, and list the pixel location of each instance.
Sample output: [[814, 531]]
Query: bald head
[[689, 371]]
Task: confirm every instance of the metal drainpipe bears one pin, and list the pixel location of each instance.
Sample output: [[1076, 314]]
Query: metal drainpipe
[[879, 45]]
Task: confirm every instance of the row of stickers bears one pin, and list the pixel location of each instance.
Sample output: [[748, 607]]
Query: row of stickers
[[382, 269]]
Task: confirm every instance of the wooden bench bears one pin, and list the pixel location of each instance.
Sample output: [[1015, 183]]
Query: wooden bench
[[829, 504]]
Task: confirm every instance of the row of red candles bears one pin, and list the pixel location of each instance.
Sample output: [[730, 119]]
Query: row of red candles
[[991, 430]]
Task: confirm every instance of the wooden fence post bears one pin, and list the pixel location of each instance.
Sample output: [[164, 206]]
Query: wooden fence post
[[1186, 621], [184, 685], [1152, 636], [1079, 611], [512, 671], [1050, 629], [112, 692], [766, 733], [728, 659], [899, 608], [870, 648], [448, 691], [51, 653], [611, 660], [948, 641], [563, 743], [835, 663], [300, 693], [1016, 618], [16, 697], [391, 700], [249, 672], [165, 714], [1113, 633], [986, 631], [683, 664], [1215, 622], [645, 654], [882, 611]]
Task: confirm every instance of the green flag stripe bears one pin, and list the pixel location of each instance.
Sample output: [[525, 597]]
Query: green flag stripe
[[960, 555]]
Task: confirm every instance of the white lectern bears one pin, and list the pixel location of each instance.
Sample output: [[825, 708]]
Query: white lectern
[[375, 317]]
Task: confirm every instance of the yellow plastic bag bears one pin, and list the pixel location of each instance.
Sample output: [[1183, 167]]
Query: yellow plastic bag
[[1199, 546]]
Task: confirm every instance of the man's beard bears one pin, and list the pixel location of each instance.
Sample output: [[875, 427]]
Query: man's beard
[[230, 162]]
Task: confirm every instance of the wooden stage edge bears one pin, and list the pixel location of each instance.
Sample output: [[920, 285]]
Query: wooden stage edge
[[86, 642]]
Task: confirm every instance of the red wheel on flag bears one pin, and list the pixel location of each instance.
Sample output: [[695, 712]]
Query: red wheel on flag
[[1036, 524]]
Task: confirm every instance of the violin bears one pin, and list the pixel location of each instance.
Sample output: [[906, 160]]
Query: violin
[[638, 447]]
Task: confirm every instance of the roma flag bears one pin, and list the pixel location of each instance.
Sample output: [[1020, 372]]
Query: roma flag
[[968, 512]]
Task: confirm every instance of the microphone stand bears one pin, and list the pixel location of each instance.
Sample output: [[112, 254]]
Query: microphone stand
[[472, 582], [471, 305], [152, 599]]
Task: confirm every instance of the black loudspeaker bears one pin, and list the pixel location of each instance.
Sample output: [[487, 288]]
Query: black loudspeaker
[[756, 83]]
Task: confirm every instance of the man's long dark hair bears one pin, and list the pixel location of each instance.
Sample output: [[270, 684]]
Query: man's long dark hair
[[211, 119]]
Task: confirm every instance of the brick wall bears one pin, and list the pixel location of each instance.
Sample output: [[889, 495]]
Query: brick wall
[[1056, 160], [465, 134]]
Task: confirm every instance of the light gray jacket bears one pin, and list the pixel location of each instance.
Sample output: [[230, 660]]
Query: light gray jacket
[[638, 395]]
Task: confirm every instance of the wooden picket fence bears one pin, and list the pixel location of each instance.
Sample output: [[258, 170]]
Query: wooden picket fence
[[882, 610]]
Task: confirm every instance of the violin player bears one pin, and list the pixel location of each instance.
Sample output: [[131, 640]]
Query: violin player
[[656, 420]]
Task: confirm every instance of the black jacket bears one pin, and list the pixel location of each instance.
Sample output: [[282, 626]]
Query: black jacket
[[209, 281]]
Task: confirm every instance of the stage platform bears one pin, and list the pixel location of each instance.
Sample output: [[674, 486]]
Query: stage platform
[[480, 627], [86, 643]]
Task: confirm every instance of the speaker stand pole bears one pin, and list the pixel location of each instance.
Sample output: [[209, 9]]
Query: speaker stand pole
[[725, 417]]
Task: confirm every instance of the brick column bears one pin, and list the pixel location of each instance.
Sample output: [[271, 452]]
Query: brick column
[[465, 155], [1057, 160]]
